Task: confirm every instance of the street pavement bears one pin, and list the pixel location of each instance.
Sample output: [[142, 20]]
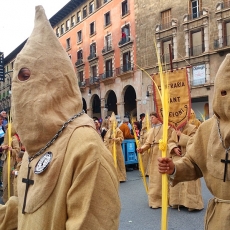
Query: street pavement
[[136, 214]]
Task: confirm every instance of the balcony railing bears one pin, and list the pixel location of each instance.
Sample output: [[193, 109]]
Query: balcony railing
[[79, 62], [125, 68], [222, 42], [165, 58], [94, 79], [107, 74], [196, 50], [165, 25], [92, 56], [195, 15], [124, 41], [81, 84], [106, 49]]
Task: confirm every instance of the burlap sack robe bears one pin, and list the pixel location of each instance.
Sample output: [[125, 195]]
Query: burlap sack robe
[[109, 143], [79, 189], [205, 151], [155, 178], [187, 194]]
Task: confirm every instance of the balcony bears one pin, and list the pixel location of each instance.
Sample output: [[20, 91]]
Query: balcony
[[124, 69], [93, 80], [195, 15], [196, 50], [92, 56], [82, 84], [124, 41], [79, 62], [106, 49], [165, 26], [165, 58], [106, 75], [222, 42]]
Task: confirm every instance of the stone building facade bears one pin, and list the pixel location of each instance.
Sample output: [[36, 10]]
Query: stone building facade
[[198, 33]]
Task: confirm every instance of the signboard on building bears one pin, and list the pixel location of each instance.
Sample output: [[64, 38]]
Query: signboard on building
[[2, 72], [198, 75]]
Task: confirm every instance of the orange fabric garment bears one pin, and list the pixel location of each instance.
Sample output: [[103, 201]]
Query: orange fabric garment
[[126, 131]]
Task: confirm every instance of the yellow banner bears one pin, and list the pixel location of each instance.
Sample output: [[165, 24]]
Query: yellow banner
[[179, 97]]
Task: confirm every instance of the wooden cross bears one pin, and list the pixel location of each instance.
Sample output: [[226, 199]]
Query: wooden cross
[[226, 162], [28, 183]]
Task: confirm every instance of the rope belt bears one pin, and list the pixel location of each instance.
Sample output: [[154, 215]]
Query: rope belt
[[214, 201]]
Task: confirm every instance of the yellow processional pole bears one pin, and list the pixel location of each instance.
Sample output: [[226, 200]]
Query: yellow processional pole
[[9, 154], [114, 145], [163, 142], [140, 159]]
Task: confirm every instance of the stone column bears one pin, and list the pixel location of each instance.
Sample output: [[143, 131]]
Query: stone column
[[120, 109]]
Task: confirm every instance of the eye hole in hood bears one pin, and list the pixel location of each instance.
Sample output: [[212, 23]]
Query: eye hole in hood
[[24, 74]]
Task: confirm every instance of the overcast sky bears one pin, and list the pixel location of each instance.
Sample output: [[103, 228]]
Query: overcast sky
[[17, 19]]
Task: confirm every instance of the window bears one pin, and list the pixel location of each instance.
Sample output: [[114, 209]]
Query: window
[[78, 16], [80, 76], [197, 42], [94, 71], [79, 55], [125, 35], [62, 29], [91, 7], [107, 18], [79, 36], [108, 68], [165, 50], [72, 20], [126, 61], [85, 12], [92, 28], [165, 19], [93, 50], [195, 8], [67, 25], [226, 34], [68, 43], [58, 32], [108, 42], [124, 8]]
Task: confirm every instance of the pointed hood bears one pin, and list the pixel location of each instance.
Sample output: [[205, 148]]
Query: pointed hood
[[112, 120], [221, 98], [49, 95]]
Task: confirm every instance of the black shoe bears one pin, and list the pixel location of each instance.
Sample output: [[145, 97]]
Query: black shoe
[[129, 169]]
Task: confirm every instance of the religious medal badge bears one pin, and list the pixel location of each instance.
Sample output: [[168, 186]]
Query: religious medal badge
[[43, 163]]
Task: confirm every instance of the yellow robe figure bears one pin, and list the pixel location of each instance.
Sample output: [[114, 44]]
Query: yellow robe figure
[[109, 143], [187, 194], [67, 179]]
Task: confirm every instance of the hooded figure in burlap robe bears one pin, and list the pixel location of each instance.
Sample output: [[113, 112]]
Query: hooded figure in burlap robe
[[206, 154], [187, 194], [109, 140], [13, 153], [76, 186], [143, 136], [193, 120]]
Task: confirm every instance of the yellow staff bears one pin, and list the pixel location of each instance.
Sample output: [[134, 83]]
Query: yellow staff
[[114, 145], [140, 159], [163, 142], [9, 153]]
